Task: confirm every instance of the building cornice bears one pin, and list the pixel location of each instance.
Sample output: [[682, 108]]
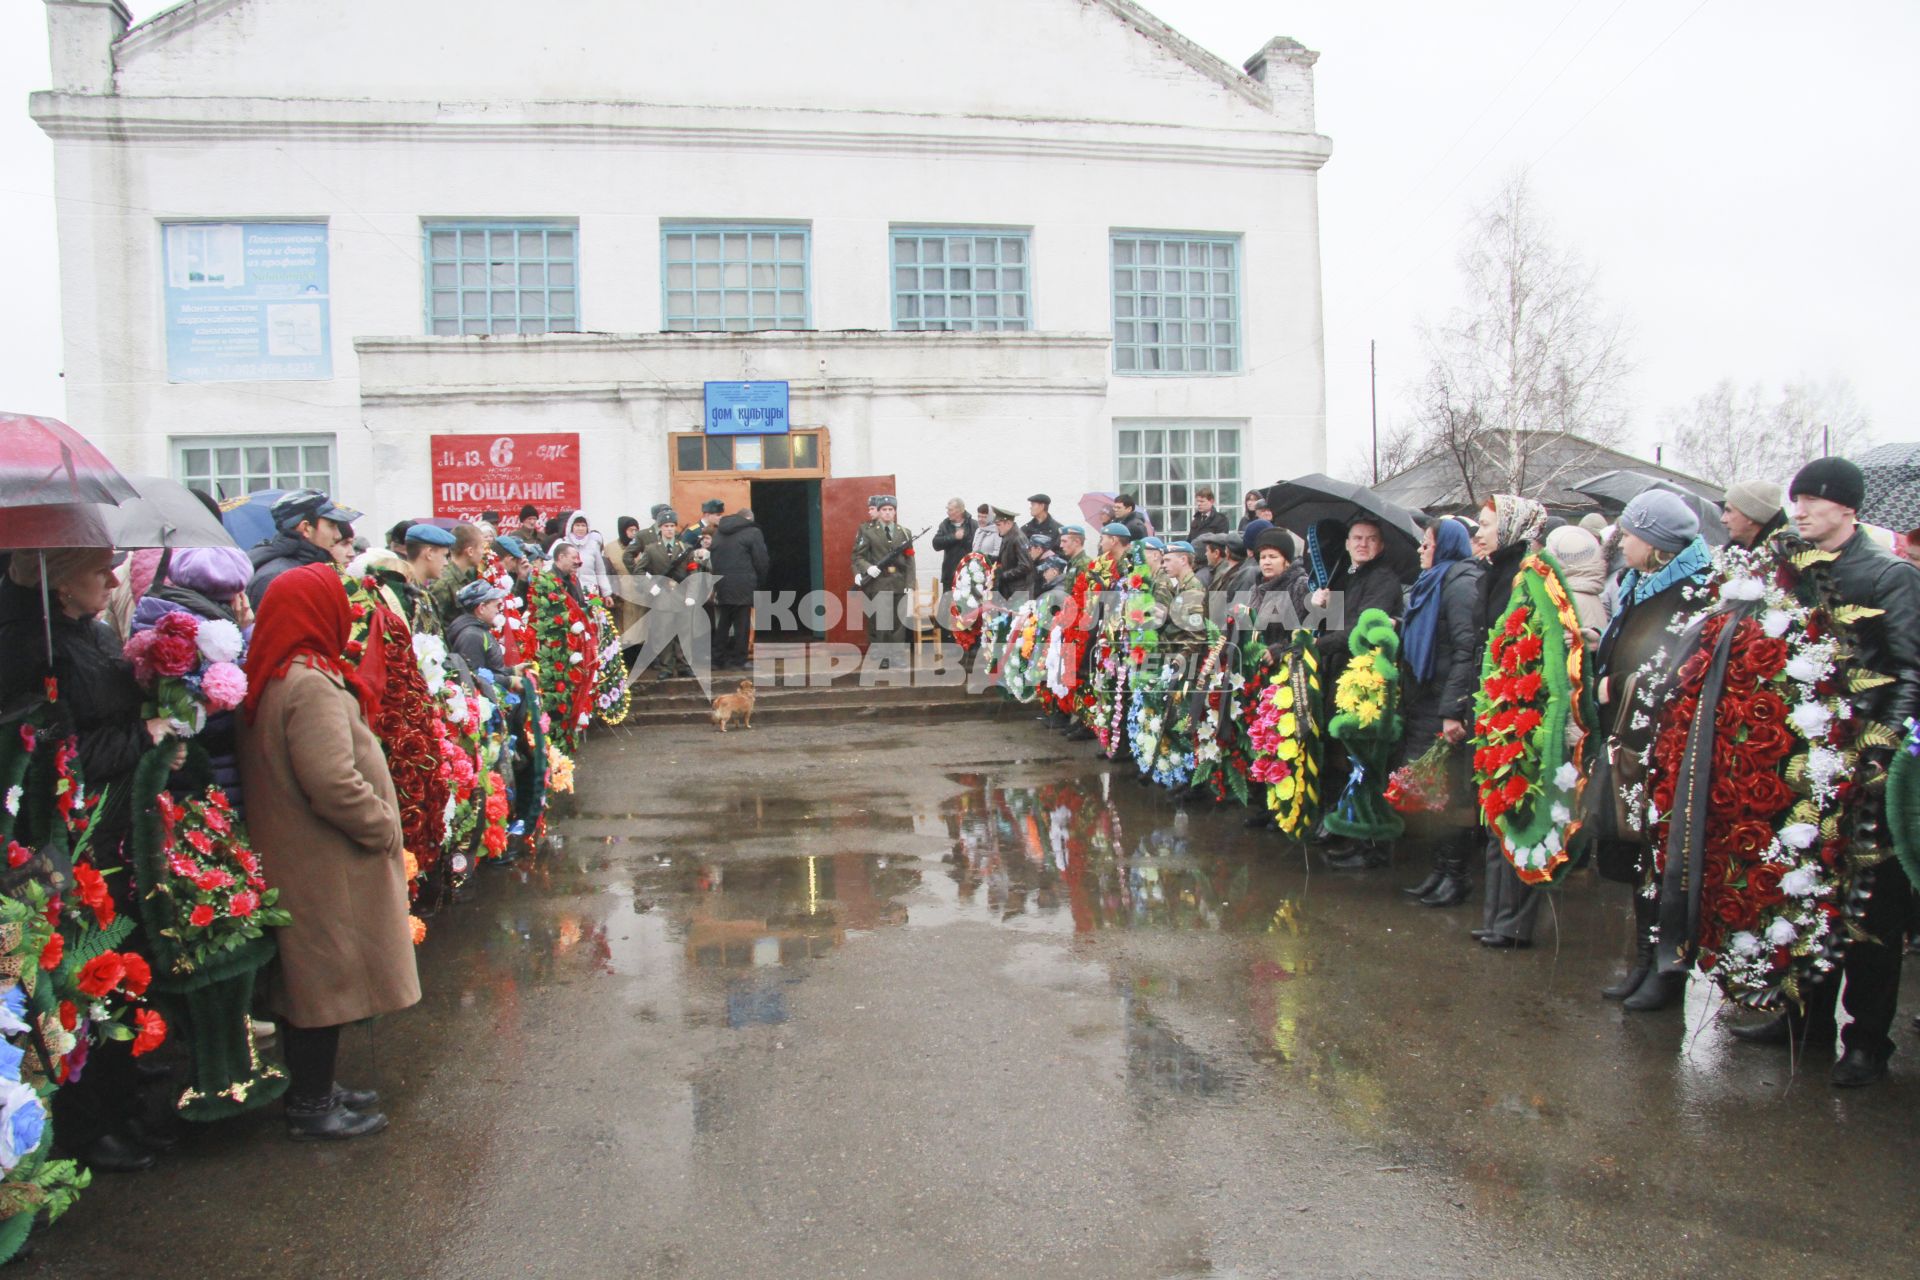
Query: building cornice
[[781, 340], [199, 121], [691, 393]]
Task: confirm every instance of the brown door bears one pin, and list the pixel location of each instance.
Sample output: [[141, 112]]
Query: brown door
[[843, 509], [690, 489]]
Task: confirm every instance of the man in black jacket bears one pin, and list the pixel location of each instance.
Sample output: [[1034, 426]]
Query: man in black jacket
[[738, 559], [1126, 511], [953, 540], [1206, 517], [1013, 570], [1826, 496], [1367, 582], [1040, 507], [309, 523]]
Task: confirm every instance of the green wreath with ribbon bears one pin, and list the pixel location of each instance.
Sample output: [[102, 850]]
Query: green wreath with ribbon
[[1367, 721]]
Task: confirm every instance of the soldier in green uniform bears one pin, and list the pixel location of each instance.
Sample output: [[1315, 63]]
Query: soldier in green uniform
[[885, 578], [428, 546], [463, 566], [658, 563], [650, 534], [1185, 606], [1073, 549]]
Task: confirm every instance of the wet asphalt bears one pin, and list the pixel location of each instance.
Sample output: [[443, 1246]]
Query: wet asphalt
[[966, 1001]]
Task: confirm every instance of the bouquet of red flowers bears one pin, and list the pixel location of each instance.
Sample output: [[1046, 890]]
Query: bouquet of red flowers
[[1422, 786], [210, 882]]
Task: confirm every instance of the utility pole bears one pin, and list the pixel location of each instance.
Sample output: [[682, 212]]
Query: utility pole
[[1826, 441], [1373, 398]]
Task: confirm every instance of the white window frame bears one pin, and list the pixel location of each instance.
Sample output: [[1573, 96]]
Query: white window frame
[[301, 476]]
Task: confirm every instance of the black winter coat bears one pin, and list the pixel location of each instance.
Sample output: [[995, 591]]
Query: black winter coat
[[98, 691], [474, 643], [1215, 521], [1459, 645], [954, 541], [1889, 644], [1136, 523], [738, 559], [1049, 526], [1013, 570], [277, 555], [1372, 586]]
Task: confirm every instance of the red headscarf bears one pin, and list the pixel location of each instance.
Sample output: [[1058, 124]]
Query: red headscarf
[[304, 614]]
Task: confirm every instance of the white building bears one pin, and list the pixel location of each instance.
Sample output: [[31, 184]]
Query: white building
[[299, 241]]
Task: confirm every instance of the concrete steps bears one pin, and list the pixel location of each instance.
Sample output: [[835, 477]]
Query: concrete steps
[[681, 702]]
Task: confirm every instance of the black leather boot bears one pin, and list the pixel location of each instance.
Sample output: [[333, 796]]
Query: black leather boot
[[1643, 915], [1455, 886], [1657, 991], [333, 1121], [1434, 877]]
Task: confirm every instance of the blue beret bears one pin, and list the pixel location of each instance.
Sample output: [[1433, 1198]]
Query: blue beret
[[431, 534], [1153, 544], [1118, 530], [1180, 544], [1074, 531], [508, 545]]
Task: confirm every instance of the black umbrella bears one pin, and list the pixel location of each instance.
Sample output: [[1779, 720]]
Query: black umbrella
[[1893, 486], [161, 513], [1302, 504], [1613, 490]]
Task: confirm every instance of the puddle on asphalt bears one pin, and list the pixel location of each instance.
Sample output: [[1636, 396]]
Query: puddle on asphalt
[[1040, 850]]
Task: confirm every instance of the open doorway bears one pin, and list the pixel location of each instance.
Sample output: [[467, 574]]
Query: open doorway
[[788, 513]]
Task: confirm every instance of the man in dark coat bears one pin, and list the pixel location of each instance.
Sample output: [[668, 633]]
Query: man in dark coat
[[1207, 518], [470, 635], [954, 540], [738, 559], [1366, 582], [1126, 511], [1826, 497], [309, 523], [1013, 570], [1040, 507]]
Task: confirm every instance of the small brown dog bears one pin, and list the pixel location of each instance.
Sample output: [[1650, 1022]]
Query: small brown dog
[[729, 705]]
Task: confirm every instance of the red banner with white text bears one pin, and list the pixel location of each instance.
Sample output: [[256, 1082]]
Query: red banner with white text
[[502, 473]]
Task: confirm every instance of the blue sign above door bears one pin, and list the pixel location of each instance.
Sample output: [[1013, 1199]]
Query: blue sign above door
[[747, 409]]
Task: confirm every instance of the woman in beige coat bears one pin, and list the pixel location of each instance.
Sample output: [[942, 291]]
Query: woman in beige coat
[[322, 812]]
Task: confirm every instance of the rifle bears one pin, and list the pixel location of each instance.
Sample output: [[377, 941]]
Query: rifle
[[905, 548]]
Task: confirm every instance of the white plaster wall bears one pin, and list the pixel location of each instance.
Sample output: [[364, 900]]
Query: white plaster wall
[[1013, 58], [915, 146]]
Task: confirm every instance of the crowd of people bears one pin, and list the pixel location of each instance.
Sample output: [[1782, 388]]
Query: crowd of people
[[238, 784], [1726, 733]]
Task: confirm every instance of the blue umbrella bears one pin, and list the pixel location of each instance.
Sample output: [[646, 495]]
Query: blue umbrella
[[250, 519]]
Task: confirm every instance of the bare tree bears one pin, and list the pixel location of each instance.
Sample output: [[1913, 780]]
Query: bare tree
[[1400, 447], [1736, 433], [1526, 378]]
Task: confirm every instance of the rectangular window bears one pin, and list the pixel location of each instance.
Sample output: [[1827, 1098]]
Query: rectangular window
[[1176, 303], [502, 277], [1164, 462], [975, 281], [734, 278], [234, 466]]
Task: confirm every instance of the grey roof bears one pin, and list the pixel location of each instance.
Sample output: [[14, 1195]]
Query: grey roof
[[1434, 485]]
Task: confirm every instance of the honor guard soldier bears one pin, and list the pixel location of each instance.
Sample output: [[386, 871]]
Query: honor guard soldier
[[883, 570]]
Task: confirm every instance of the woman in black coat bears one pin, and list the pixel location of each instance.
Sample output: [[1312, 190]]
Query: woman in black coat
[[1440, 649], [1667, 585], [1511, 528], [953, 539], [101, 703]]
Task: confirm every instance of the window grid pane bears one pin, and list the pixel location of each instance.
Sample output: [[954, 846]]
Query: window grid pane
[[960, 281], [1163, 464], [743, 278], [234, 466], [501, 278], [1191, 317]]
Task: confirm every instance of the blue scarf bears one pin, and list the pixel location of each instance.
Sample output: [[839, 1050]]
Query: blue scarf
[[1694, 561], [1422, 625]]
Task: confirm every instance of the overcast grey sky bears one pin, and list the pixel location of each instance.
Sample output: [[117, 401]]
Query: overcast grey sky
[[1739, 172]]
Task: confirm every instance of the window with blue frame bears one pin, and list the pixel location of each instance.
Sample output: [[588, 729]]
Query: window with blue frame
[[975, 281], [734, 277], [502, 277], [1176, 303]]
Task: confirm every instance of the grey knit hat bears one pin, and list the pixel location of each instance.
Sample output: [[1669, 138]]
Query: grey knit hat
[[1757, 500], [1661, 519]]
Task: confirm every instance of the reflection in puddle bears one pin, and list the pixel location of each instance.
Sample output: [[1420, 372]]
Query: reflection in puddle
[[1026, 849], [1160, 1063]]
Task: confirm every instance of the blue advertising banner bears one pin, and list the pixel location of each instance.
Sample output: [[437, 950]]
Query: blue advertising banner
[[247, 301], [747, 409]]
